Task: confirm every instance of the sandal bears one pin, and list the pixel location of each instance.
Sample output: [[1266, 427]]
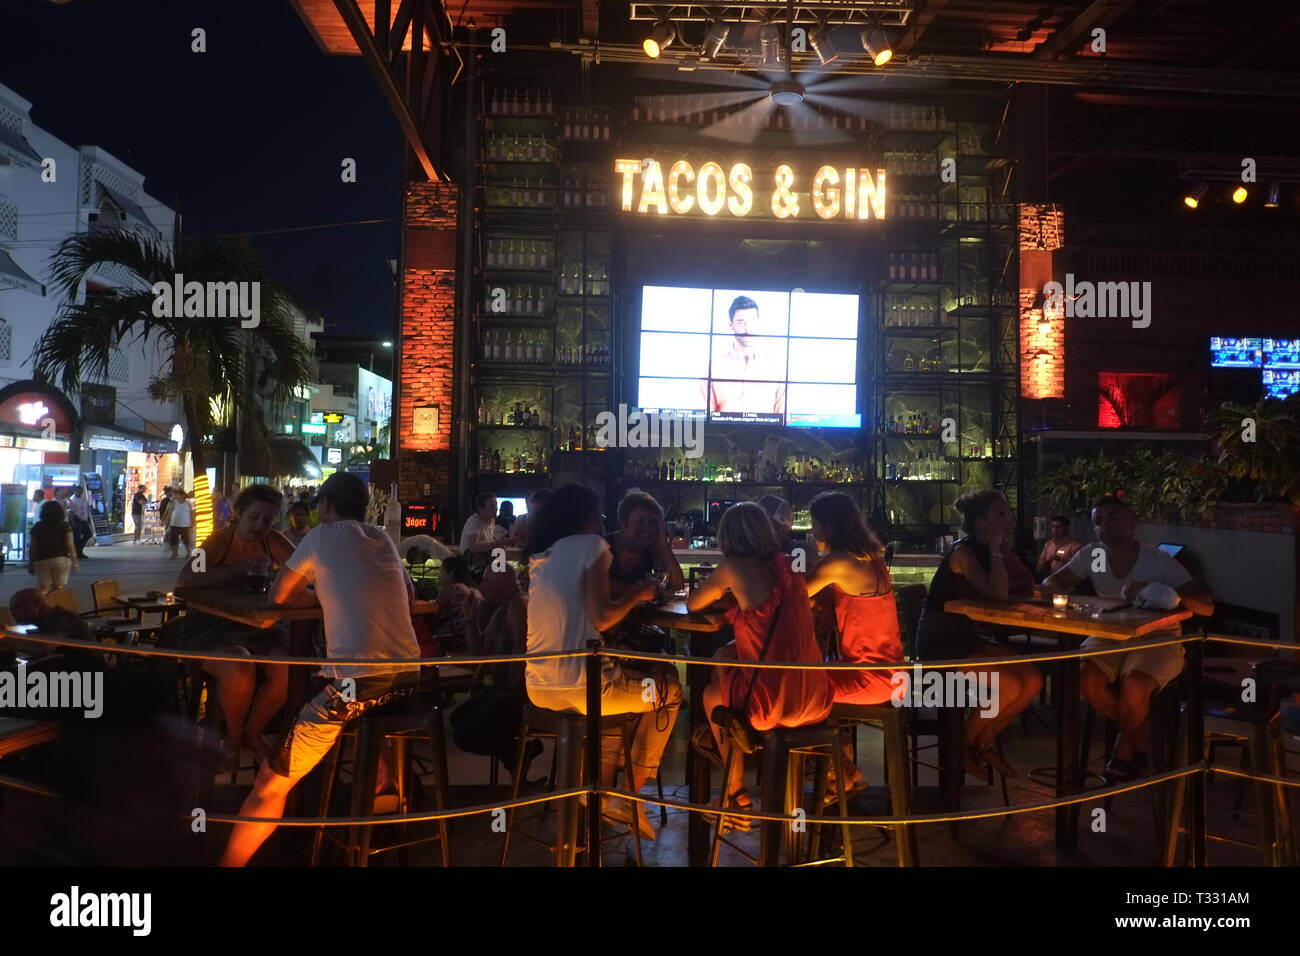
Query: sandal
[[1118, 771], [989, 757], [703, 743], [742, 801]]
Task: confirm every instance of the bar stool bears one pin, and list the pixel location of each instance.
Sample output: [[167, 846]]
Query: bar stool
[[1166, 724], [369, 731], [893, 722], [784, 750], [569, 731]]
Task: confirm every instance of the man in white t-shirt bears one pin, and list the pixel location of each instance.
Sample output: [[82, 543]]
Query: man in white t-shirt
[[1121, 566], [481, 531], [180, 523], [366, 597]]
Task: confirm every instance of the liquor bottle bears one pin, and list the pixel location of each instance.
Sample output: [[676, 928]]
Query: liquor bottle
[[536, 418], [393, 515], [672, 470]]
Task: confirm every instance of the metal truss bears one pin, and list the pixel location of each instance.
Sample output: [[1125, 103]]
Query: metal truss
[[885, 13]]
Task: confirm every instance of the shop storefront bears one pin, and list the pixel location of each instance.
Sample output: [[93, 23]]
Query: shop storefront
[[124, 460]]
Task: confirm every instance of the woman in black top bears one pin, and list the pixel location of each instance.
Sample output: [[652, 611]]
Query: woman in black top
[[980, 566], [51, 552]]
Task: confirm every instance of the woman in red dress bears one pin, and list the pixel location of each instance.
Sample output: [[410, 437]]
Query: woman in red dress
[[770, 609], [866, 617]]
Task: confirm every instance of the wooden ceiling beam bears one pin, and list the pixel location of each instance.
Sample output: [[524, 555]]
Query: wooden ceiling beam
[[922, 16], [1068, 38], [388, 85]]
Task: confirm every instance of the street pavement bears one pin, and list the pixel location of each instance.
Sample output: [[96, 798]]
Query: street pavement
[[137, 568]]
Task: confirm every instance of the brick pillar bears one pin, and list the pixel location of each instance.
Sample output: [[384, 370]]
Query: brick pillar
[[427, 348]]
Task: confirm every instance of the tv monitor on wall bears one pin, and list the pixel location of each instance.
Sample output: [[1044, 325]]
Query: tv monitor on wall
[[1229, 352], [750, 355], [1282, 353]]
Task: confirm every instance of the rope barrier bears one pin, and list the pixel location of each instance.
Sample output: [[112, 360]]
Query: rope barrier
[[981, 663]]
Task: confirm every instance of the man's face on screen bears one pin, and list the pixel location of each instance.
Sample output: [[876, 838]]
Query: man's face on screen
[[743, 323]]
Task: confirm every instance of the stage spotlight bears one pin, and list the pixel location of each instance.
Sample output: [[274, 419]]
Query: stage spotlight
[[820, 41], [660, 39], [1193, 197], [1274, 194], [877, 45], [769, 45], [1239, 195], [714, 37]]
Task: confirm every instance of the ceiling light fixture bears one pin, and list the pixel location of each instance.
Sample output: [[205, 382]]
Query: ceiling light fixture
[[1239, 195], [1192, 198], [714, 37], [770, 50], [1274, 194], [877, 45], [660, 38], [820, 41]]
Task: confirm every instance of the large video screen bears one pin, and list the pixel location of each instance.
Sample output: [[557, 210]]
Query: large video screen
[[1282, 353], [1229, 352], [746, 355], [1281, 382]]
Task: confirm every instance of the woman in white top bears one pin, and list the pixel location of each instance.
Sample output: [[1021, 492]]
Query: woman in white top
[[569, 604]]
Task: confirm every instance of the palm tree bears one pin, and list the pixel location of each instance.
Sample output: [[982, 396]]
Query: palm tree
[[205, 359]]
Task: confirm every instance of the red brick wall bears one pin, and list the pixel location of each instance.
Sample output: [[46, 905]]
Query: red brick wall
[[427, 353]]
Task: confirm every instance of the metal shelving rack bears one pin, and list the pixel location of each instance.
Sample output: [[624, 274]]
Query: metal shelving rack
[[947, 329]]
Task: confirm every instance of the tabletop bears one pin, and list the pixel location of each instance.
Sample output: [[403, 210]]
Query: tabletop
[[17, 734], [675, 614], [257, 610], [142, 602], [1092, 618]]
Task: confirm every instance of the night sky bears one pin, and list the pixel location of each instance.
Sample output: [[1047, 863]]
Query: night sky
[[244, 138]]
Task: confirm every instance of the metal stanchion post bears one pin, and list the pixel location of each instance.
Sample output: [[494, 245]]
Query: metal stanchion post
[[593, 753], [1196, 751]]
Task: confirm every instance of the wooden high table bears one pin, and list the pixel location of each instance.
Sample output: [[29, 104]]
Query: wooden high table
[[701, 625], [1118, 625]]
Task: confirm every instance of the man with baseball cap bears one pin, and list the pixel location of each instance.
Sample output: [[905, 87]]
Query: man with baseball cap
[[366, 596]]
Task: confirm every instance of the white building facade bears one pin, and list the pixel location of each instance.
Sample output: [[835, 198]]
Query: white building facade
[[109, 428]]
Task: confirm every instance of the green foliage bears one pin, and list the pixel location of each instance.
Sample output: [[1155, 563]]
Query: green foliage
[[1269, 466], [1156, 485], [204, 358]]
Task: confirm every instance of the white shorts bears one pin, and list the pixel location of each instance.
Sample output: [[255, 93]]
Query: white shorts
[[1162, 664]]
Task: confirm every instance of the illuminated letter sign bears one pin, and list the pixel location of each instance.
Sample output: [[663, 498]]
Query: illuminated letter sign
[[661, 187], [29, 413]]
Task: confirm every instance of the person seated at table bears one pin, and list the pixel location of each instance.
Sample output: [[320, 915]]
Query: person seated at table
[[641, 551], [458, 599], [228, 554], [1058, 550], [772, 619], [980, 566], [569, 604], [519, 533], [852, 565], [506, 517], [365, 597], [29, 606], [488, 723], [1121, 566], [481, 532], [299, 519]]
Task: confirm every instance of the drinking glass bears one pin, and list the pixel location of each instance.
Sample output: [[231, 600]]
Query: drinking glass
[[259, 575]]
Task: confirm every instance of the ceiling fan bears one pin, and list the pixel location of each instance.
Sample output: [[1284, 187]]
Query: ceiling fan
[[804, 104]]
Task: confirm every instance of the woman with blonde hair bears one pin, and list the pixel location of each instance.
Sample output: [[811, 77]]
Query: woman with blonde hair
[[772, 620]]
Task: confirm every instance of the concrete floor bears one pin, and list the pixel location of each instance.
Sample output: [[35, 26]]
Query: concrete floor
[[1020, 840]]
